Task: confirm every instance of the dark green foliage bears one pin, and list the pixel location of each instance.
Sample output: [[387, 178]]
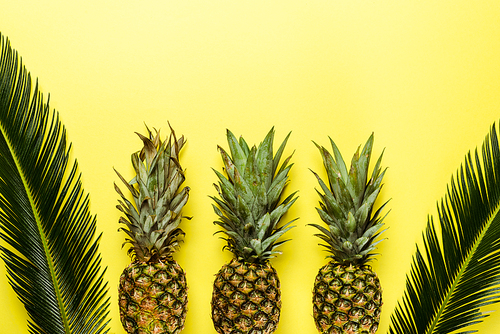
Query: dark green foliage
[[249, 206], [346, 205], [459, 271], [53, 262]]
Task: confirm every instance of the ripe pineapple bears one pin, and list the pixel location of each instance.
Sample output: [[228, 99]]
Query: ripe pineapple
[[347, 297], [246, 294], [153, 288]]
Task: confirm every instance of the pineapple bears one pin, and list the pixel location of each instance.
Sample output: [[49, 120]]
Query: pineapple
[[246, 293], [153, 288], [347, 296]]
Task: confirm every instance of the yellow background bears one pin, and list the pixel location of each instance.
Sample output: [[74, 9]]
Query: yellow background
[[423, 75]]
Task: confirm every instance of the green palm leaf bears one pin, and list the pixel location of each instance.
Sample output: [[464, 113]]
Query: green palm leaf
[[459, 272], [53, 262]]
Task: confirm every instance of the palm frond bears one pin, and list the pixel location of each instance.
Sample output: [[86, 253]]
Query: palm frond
[[53, 262], [459, 272]]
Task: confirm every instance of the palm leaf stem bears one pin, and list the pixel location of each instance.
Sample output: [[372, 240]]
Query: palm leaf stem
[[459, 272], [43, 238], [53, 262], [457, 280]]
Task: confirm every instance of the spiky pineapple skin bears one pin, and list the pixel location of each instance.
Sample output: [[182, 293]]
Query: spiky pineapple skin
[[347, 299], [153, 297], [246, 299]]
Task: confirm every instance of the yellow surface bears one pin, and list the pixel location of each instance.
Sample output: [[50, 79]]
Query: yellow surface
[[423, 75]]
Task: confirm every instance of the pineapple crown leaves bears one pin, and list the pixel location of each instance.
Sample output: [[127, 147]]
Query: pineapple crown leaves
[[152, 220], [346, 205], [249, 206]]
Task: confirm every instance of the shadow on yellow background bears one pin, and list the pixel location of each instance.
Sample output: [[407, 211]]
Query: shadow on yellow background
[[423, 76]]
